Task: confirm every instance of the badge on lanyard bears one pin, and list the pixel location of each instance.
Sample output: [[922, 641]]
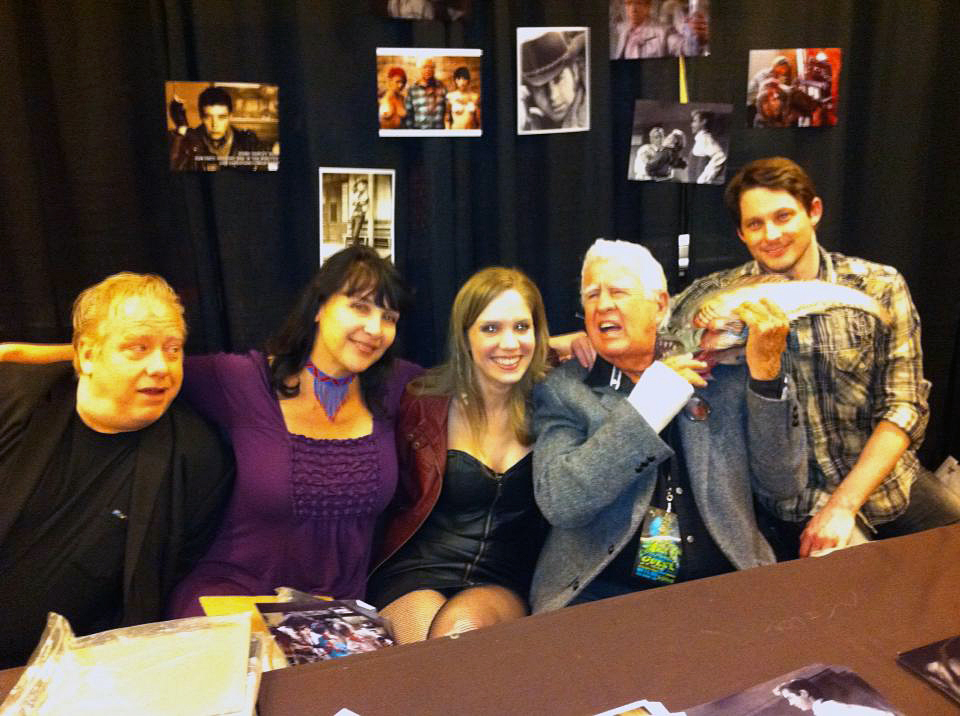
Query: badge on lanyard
[[658, 557]]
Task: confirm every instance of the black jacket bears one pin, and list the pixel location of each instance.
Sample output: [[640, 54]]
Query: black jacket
[[182, 478]]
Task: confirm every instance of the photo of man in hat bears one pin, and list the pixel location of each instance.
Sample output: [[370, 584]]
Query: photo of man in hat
[[553, 89]]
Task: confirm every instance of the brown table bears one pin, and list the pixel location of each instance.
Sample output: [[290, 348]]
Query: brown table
[[683, 645]]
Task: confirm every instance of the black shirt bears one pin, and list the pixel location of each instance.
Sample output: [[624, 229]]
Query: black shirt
[[700, 555], [65, 552]]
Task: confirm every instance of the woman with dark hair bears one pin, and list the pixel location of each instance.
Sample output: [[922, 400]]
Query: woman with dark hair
[[463, 534], [312, 423], [392, 105], [463, 104]]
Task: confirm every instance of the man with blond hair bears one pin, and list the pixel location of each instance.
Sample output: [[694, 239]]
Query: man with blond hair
[[111, 492]]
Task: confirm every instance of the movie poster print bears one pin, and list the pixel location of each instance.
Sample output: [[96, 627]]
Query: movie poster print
[[675, 142], [642, 29], [356, 207], [553, 79], [798, 87], [817, 689], [220, 125], [444, 10], [429, 92]]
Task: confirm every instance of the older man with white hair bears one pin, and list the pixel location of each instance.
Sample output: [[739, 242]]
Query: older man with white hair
[[645, 480]]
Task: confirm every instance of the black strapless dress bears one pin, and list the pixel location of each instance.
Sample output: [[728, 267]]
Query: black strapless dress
[[485, 529]]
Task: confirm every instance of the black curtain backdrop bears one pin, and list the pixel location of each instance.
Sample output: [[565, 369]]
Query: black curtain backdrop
[[85, 190]]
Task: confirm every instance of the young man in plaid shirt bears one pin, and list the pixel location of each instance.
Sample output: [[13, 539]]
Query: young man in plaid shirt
[[859, 382]]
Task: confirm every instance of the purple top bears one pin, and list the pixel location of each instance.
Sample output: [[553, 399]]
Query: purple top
[[303, 511]]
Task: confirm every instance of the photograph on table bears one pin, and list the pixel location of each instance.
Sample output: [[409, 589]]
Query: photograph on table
[[638, 708], [553, 79], [219, 125], [816, 689], [676, 142], [429, 92], [937, 663], [314, 630], [444, 10], [798, 87], [641, 29], [356, 207]]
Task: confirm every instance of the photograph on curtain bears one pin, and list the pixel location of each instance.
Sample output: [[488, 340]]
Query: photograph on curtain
[[356, 207], [553, 79], [429, 92], [676, 142], [423, 9], [219, 125], [640, 29], [797, 87]]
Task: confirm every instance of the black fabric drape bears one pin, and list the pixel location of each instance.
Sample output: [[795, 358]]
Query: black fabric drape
[[85, 190]]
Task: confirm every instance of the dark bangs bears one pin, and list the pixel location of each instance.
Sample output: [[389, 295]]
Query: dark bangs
[[381, 281]]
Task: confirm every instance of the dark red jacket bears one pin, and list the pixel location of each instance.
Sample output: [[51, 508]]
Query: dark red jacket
[[422, 458]]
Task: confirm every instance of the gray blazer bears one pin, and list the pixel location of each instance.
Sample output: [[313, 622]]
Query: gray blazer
[[596, 464]]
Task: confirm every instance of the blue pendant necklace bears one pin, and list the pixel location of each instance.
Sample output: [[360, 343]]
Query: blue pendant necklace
[[329, 392]]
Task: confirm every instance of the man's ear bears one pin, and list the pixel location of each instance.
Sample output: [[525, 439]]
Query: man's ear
[[816, 210], [86, 351], [663, 304]]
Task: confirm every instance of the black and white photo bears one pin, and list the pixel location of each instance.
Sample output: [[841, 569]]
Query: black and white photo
[[937, 663], [553, 79], [676, 142], [356, 207], [815, 689]]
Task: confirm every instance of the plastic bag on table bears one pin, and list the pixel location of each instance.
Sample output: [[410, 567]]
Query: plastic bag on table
[[200, 666]]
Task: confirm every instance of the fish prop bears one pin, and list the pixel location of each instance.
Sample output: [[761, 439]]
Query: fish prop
[[708, 327]]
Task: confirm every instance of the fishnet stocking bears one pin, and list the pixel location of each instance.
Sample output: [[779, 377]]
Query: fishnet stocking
[[413, 613], [477, 607]]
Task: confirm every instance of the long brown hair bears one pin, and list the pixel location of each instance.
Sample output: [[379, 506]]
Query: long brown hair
[[456, 376]]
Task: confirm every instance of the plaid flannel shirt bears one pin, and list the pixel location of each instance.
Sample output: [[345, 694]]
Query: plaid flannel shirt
[[426, 104], [850, 371]]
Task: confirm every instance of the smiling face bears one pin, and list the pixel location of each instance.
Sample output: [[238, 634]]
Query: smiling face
[[779, 232], [620, 315], [556, 97], [353, 333], [216, 120], [502, 341], [132, 369]]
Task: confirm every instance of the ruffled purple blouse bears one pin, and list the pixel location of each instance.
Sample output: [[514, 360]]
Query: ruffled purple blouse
[[303, 511]]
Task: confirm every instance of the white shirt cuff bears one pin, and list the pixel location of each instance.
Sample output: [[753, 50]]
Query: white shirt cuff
[[659, 395]]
